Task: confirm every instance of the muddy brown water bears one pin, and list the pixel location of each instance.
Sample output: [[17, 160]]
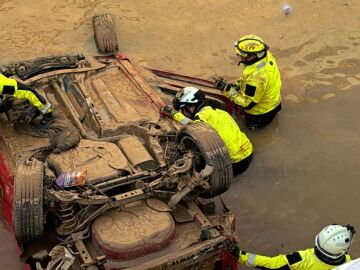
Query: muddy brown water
[[305, 173]]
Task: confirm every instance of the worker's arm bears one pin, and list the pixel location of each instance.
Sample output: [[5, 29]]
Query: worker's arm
[[231, 91], [246, 92], [177, 116], [238, 98], [21, 91], [182, 119], [281, 261]]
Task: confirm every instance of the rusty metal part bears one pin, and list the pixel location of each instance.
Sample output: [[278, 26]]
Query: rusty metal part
[[112, 183], [187, 183], [86, 258], [68, 219], [136, 153], [65, 196], [181, 165], [176, 198], [154, 145], [61, 258], [200, 218], [81, 114]]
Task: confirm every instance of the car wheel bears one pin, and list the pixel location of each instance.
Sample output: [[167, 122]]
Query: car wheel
[[105, 34], [210, 149], [28, 201]]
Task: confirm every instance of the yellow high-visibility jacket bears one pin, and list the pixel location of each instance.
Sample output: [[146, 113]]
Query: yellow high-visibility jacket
[[238, 145], [258, 89], [10, 87], [299, 260]]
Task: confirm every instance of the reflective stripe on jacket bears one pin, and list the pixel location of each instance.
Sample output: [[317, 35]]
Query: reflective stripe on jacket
[[299, 260], [11, 87], [259, 87], [238, 145]]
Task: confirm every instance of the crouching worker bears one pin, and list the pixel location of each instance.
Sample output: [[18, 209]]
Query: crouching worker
[[258, 89], [189, 105], [330, 251], [12, 88]]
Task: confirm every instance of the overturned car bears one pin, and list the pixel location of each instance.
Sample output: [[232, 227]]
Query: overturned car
[[145, 199]]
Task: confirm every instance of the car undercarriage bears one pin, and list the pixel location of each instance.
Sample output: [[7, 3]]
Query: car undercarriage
[[146, 201]]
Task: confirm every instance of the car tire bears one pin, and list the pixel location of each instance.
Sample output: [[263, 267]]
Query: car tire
[[200, 137], [28, 201], [105, 34]]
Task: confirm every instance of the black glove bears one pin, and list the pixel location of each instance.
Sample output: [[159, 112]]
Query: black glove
[[221, 84], [5, 71], [28, 114], [167, 111], [48, 118], [233, 248]]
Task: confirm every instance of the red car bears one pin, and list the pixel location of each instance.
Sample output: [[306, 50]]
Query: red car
[[110, 184]]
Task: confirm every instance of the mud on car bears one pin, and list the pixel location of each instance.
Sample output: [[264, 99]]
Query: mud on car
[[141, 204]]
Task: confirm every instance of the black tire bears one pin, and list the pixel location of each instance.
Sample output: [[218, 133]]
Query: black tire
[[105, 34], [28, 201], [201, 138]]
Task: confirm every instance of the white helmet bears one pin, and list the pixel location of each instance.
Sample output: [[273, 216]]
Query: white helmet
[[334, 240], [188, 95]]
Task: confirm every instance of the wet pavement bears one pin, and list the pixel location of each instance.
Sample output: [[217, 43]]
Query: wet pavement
[[305, 172]]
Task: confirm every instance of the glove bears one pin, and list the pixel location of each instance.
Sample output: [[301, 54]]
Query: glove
[[48, 118], [221, 84], [5, 71], [233, 248], [29, 114], [167, 111]]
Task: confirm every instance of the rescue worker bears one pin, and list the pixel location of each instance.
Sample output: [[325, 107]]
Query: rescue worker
[[330, 251], [191, 102], [258, 89], [12, 88]]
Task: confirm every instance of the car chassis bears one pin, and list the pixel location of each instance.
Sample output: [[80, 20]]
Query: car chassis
[[174, 164]]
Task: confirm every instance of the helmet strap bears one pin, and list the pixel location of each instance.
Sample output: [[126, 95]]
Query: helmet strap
[[198, 107], [187, 112], [322, 257]]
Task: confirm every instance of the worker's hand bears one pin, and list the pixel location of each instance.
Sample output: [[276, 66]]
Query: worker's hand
[[5, 71], [233, 248], [221, 84], [48, 118], [167, 111]]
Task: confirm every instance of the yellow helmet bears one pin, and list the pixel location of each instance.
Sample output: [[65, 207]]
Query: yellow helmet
[[250, 44]]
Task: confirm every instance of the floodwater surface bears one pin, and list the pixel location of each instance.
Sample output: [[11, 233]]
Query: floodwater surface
[[305, 172]]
